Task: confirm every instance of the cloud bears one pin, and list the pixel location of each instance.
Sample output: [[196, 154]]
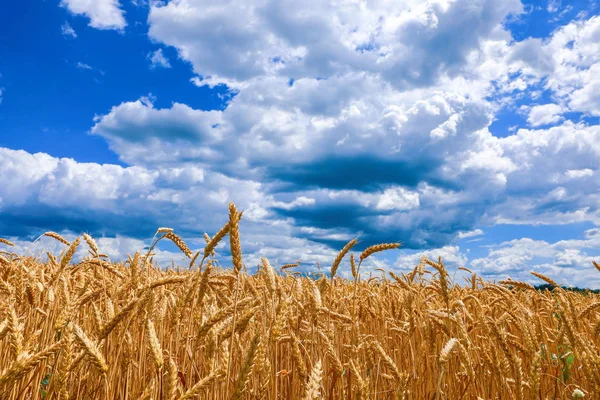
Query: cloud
[[103, 14], [411, 44], [544, 114], [293, 146], [351, 128], [138, 131], [158, 59], [452, 257], [395, 142], [39, 192], [531, 57], [468, 234], [587, 98], [566, 64], [578, 65], [565, 261], [579, 173], [116, 248], [342, 120], [553, 6], [543, 191], [81, 65], [297, 202], [68, 31], [418, 165]]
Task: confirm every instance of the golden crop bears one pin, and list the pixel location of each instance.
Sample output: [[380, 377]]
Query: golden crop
[[102, 330]]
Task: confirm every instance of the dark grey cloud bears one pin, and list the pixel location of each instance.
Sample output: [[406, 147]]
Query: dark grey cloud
[[364, 172], [36, 219]]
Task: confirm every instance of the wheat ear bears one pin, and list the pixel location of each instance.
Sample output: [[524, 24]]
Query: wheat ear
[[154, 344], [341, 255], [6, 242], [56, 236], [244, 374], [234, 238], [313, 387], [90, 349]]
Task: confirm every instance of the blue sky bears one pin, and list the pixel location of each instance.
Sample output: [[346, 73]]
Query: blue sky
[[463, 129]]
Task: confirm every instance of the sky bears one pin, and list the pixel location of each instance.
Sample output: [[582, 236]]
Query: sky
[[464, 129]]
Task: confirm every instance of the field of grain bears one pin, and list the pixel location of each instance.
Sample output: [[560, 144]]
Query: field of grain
[[103, 330]]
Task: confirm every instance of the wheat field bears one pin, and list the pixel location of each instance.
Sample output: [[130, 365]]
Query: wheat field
[[96, 329]]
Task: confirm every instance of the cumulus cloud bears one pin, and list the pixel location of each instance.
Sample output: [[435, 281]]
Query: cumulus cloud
[[542, 190], [367, 150], [103, 14], [568, 262], [452, 257], [531, 57], [576, 78], [125, 205], [299, 150], [545, 114], [266, 137], [342, 120], [411, 43], [116, 248], [566, 64], [579, 173]]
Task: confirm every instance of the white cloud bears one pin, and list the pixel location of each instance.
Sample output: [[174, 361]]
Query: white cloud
[[451, 257], [103, 14], [272, 124], [81, 65], [587, 98], [297, 202], [158, 59], [381, 110], [543, 191], [116, 248], [67, 30], [566, 261], [567, 64], [577, 65], [46, 193], [544, 114], [468, 234], [579, 173], [64, 182], [356, 101], [137, 131], [234, 41], [553, 6], [397, 199]]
